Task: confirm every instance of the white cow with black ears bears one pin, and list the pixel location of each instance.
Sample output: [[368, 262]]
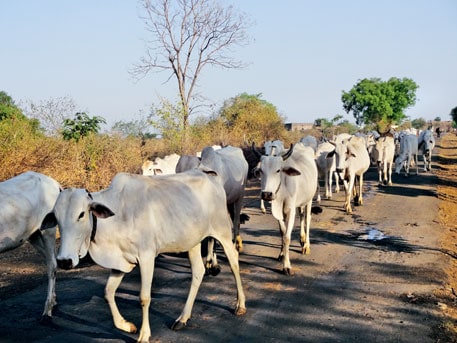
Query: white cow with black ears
[[143, 217], [289, 182]]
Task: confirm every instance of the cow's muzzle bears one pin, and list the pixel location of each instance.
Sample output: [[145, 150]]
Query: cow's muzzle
[[65, 263], [267, 196]]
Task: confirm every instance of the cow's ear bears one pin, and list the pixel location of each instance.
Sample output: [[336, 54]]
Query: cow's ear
[[207, 170], [100, 210], [330, 154], [49, 221], [291, 171]]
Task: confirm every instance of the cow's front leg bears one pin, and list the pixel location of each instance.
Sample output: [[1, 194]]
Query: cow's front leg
[[349, 188], [45, 243], [198, 270], [147, 271], [289, 221], [114, 280]]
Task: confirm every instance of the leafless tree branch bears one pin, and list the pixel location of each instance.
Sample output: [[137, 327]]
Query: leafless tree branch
[[187, 35]]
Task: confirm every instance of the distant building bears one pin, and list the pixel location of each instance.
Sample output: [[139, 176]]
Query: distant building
[[298, 126]]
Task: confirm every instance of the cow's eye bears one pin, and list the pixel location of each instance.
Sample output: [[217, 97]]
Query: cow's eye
[[278, 171], [81, 215]]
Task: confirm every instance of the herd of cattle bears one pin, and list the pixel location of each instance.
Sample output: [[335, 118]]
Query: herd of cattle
[[139, 217]]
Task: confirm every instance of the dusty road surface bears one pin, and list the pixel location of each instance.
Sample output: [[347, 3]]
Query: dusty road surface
[[370, 277]]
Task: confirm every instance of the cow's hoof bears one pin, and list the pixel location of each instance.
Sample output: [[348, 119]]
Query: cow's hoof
[[177, 325], [213, 270], [239, 311], [288, 271], [239, 244], [45, 320], [306, 250]]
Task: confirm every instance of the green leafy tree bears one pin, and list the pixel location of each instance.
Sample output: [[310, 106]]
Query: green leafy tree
[[9, 111], [134, 128], [418, 123], [250, 118], [8, 108], [453, 115], [373, 101], [81, 126]]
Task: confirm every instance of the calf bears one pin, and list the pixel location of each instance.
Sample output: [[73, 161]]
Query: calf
[[142, 218]]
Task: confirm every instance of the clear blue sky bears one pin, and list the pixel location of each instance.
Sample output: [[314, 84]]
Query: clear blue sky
[[303, 55]]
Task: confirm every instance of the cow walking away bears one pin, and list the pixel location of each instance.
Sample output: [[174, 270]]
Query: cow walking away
[[426, 144], [231, 166], [408, 153], [289, 182], [140, 218], [25, 200]]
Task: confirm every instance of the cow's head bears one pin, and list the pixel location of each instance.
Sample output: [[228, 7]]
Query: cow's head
[[75, 213], [343, 151]]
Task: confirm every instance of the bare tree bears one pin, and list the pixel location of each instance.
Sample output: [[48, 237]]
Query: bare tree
[[186, 36], [51, 112]]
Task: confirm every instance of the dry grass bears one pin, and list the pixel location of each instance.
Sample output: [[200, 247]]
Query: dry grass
[[446, 170]]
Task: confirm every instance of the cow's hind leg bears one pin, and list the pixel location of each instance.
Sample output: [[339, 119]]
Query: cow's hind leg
[[211, 267], [198, 271], [232, 256], [114, 280], [45, 243]]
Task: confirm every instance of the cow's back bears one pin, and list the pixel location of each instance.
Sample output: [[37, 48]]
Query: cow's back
[[153, 212], [409, 144], [230, 164]]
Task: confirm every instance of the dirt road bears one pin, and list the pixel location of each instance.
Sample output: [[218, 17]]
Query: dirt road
[[370, 277]]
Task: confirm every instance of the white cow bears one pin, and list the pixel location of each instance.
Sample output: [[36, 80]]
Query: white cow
[[272, 148], [352, 161], [229, 163], [408, 153], [426, 144], [24, 202], [290, 182], [166, 165], [142, 218], [384, 151], [326, 167]]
